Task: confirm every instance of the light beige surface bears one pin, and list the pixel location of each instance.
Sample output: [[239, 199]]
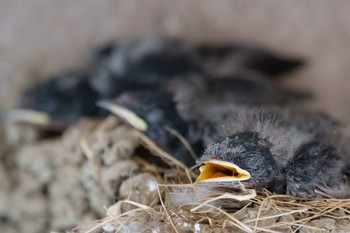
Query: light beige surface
[[39, 37]]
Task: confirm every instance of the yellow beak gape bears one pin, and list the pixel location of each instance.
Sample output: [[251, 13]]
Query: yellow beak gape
[[219, 171]]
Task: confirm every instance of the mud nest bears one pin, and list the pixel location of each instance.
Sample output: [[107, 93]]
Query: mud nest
[[95, 178]]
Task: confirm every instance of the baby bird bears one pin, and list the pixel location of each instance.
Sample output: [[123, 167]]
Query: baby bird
[[61, 100], [245, 157], [143, 64], [262, 150], [154, 112]]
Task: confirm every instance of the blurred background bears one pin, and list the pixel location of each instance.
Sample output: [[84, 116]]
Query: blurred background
[[40, 37]]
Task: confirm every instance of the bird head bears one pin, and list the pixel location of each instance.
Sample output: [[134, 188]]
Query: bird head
[[55, 103], [242, 158]]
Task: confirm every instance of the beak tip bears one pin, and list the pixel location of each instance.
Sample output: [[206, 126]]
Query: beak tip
[[124, 113], [26, 116], [221, 171]]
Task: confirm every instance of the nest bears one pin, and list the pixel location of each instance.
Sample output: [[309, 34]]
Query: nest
[[180, 205], [96, 171]]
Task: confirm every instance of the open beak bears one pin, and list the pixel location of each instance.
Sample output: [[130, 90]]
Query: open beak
[[27, 116], [124, 113], [220, 171]]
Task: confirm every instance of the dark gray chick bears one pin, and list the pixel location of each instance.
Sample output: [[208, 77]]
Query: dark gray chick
[[254, 142], [142, 64], [277, 155], [55, 103], [154, 112]]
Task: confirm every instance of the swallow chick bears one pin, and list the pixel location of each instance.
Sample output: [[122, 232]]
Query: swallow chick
[[154, 112], [226, 58], [253, 148], [55, 103], [298, 160], [243, 157], [143, 64]]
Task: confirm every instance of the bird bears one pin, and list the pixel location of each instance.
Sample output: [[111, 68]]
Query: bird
[[262, 150], [245, 157], [255, 141], [233, 57], [60, 100], [142, 64], [154, 112], [209, 94]]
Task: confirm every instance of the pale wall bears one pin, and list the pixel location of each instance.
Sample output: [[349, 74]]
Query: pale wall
[[39, 37]]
